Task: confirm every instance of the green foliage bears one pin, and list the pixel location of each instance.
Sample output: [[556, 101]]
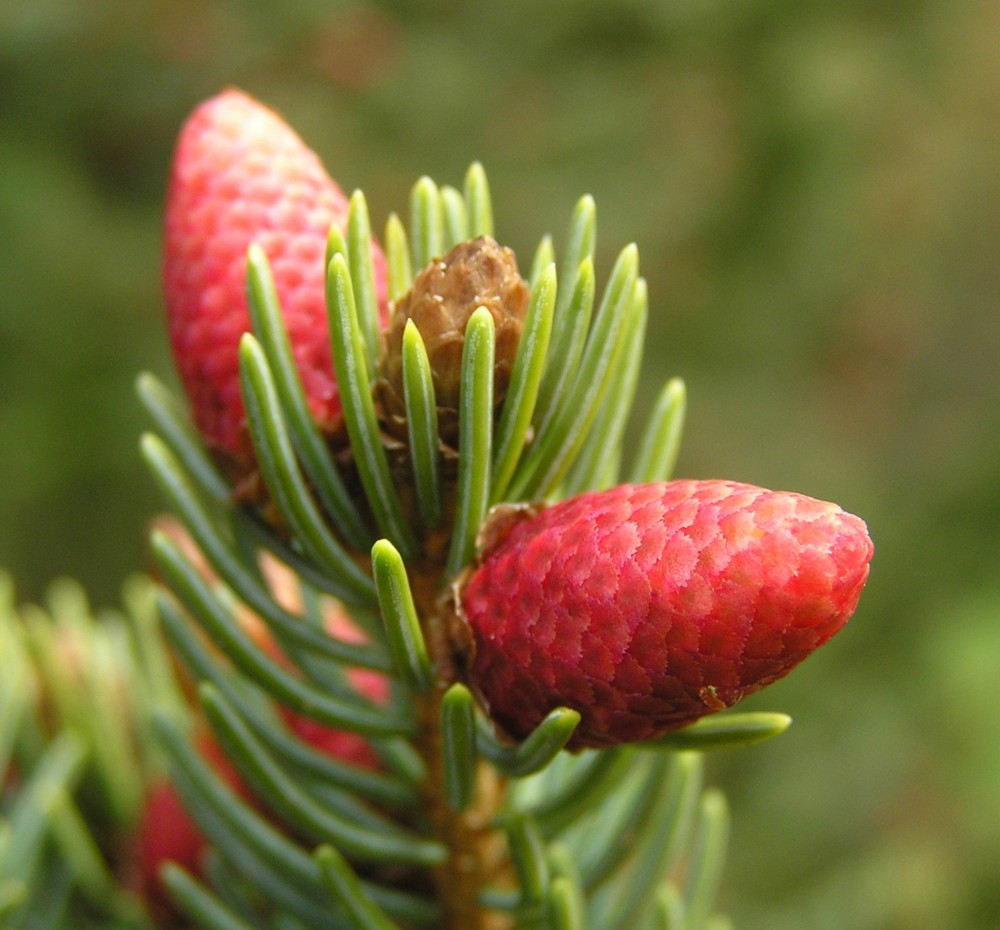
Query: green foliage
[[76, 755], [337, 859]]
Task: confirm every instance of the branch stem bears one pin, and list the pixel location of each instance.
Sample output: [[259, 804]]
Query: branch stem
[[479, 857]]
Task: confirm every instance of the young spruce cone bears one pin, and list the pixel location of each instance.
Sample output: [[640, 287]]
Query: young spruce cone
[[241, 175], [645, 607]]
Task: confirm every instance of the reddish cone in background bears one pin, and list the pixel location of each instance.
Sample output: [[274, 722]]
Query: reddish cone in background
[[284, 587], [241, 175], [166, 832], [340, 744], [645, 607]]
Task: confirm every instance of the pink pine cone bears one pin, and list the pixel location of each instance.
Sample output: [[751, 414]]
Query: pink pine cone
[[241, 175], [645, 607]]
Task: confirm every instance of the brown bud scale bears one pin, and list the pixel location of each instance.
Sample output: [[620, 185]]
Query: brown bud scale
[[478, 273]]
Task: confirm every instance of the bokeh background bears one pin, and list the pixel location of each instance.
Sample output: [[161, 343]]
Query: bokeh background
[[815, 190]]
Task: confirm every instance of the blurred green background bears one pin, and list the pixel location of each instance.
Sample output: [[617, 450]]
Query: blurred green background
[[815, 190]]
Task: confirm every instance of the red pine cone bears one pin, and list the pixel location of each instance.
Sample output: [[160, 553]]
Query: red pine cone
[[166, 832], [645, 607], [340, 744], [241, 175]]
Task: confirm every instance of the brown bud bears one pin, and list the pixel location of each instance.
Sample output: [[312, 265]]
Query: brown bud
[[474, 274]]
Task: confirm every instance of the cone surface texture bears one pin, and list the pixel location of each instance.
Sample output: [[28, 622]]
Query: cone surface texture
[[240, 175], [645, 607]]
